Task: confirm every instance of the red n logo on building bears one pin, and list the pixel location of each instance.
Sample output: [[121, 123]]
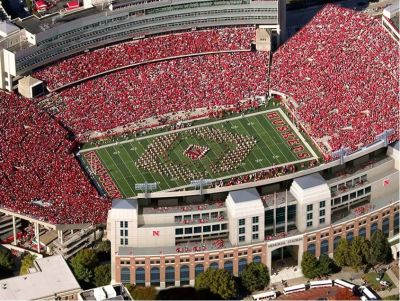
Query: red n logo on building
[[156, 233]]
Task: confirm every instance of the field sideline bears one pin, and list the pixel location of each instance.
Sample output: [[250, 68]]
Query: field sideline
[[276, 142]]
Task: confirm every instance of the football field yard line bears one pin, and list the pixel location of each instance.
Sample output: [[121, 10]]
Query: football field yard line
[[257, 149], [117, 182], [134, 167], [120, 166], [119, 158], [268, 133]]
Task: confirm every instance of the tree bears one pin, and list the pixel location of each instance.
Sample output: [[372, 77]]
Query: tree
[[367, 252], [356, 258], [26, 263], [380, 248], [341, 253], [103, 251], [255, 276], [102, 274], [219, 282], [325, 265], [309, 265], [83, 264], [7, 263], [142, 293]]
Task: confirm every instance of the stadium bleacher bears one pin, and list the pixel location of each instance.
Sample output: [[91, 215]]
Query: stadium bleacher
[[342, 70], [37, 167], [124, 54]]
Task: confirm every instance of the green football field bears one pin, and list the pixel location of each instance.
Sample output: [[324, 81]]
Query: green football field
[[230, 147]]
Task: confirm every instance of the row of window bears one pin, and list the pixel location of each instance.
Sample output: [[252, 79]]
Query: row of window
[[362, 232], [188, 217], [184, 272], [279, 215], [348, 184], [201, 229], [351, 196]]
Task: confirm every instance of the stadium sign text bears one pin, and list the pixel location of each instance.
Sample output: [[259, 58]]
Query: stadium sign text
[[285, 242]]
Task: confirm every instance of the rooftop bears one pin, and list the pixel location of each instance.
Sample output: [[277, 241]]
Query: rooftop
[[51, 278], [107, 292], [310, 181]]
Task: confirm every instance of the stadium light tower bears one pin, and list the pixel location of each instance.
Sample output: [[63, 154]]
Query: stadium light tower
[[146, 187], [384, 136], [201, 183], [341, 154]]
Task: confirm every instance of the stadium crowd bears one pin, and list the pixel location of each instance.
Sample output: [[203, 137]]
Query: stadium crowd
[[150, 90], [37, 167], [342, 71], [124, 54]]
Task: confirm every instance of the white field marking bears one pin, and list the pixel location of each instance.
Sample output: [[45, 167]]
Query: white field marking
[[177, 131]]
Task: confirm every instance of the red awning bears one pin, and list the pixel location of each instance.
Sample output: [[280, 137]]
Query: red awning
[[73, 4]]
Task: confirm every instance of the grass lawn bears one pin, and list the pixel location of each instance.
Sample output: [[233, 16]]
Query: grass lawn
[[276, 143], [371, 278]]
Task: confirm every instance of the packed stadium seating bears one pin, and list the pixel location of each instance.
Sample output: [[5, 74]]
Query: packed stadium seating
[[94, 62], [342, 71], [39, 176], [156, 89]]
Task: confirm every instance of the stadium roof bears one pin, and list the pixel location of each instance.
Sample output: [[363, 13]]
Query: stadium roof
[[310, 181]]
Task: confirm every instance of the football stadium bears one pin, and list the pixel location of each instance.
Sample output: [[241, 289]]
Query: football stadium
[[193, 135]]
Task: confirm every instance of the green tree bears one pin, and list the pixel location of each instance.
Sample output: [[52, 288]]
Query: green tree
[[26, 263], [309, 265], [219, 282], [255, 276], [356, 257], [366, 252], [325, 265], [7, 263], [380, 248], [103, 251], [142, 293], [102, 274], [83, 264], [341, 253]]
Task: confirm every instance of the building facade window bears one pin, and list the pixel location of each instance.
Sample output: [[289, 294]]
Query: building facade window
[[198, 269], [241, 238], [336, 241], [309, 216], [385, 226], [255, 219], [325, 246], [155, 276], [184, 275], [228, 266], [322, 212], [242, 264], [257, 259], [374, 228], [311, 249], [350, 236], [322, 204], [322, 220], [309, 207], [214, 266], [242, 222], [362, 232], [140, 276], [255, 236], [309, 224], [169, 276], [125, 275]]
